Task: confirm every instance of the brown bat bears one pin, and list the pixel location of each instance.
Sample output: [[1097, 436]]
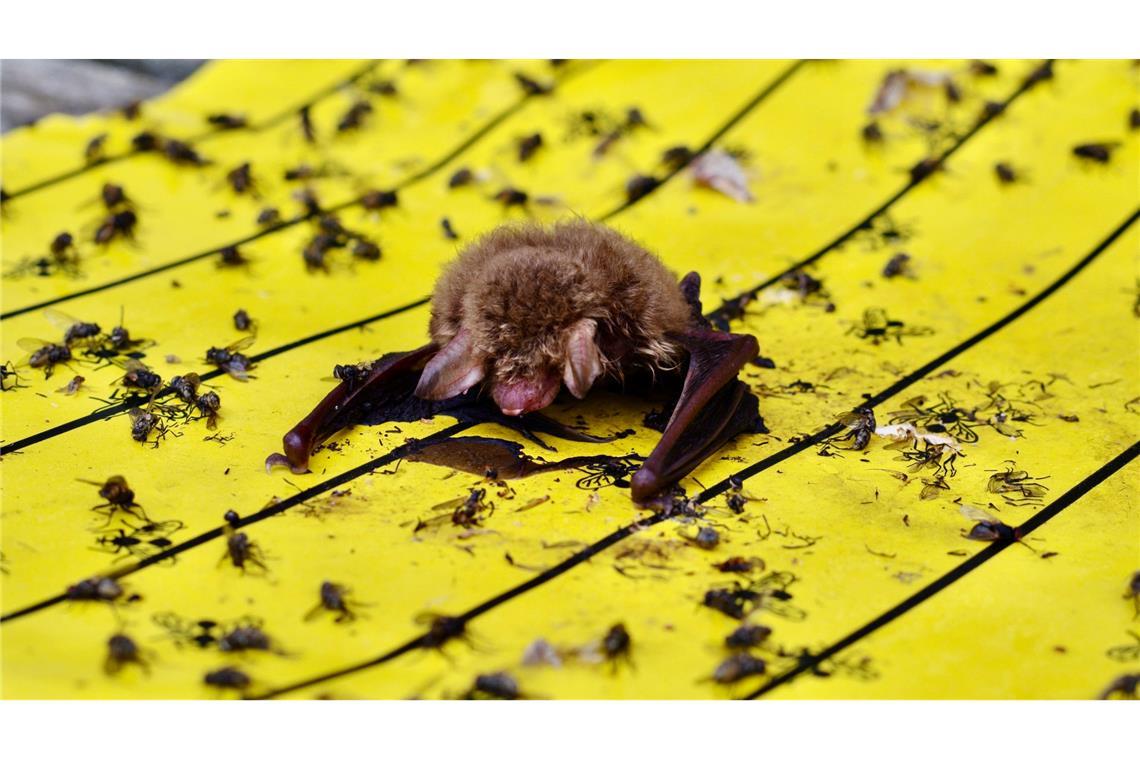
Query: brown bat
[[528, 309]]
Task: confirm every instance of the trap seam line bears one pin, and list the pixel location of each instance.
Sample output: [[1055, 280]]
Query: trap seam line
[[108, 412], [958, 572], [135, 401], [402, 184], [277, 508], [754, 469], [898, 195], [911, 378], [201, 137], [746, 109]]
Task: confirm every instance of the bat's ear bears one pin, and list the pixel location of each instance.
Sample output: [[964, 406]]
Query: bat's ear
[[452, 371], [583, 359]]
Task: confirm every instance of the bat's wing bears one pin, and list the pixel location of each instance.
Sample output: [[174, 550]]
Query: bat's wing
[[713, 407], [329, 415]]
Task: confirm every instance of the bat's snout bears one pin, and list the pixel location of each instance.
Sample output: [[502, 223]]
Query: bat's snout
[[526, 395]]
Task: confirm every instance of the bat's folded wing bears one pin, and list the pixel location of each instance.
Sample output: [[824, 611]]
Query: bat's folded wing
[[714, 406]]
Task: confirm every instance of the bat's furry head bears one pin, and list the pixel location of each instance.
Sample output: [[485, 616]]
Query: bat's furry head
[[529, 307]]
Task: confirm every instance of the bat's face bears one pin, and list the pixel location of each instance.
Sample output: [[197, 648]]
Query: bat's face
[[522, 375]]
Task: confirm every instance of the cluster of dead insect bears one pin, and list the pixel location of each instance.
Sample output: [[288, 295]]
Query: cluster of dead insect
[[331, 234], [175, 151], [121, 219], [80, 339], [769, 592]]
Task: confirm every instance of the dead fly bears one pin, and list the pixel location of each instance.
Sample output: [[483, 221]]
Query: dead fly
[[208, 405], [244, 638], [94, 150], [63, 248], [241, 180], [1006, 174], [366, 250], [231, 256], [510, 196], [461, 178], [983, 69], [44, 355], [747, 636], [242, 321], [528, 145], [144, 541], [143, 422], [872, 133], [267, 217], [736, 498], [93, 153], [242, 551], [1125, 686], [448, 231], [375, 200], [860, 425], [898, 264], [608, 472], [1133, 592], [385, 87], [352, 374], [96, 589], [182, 153], [138, 377], [144, 142], [639, 186], [114, 196], [334, 599], [74, 331], [354, 117], [1098, 152], [530, 86], [740, 565], [307, 129], [877, 327], [990, 528], [119, 224], [616, 644], [226, 121], [122, 651], [442, 628], [1019, 482], [466, 511], [494, 686], [739, 666], [118, 495], [227, 678], [185, 387], [230, 360], [675, 158], [736, 602]]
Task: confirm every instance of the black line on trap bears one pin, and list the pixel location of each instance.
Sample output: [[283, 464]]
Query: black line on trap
[[1066, 500], [111, 411], [748, 472], [202, 137], [744, 110], [865, 223], [275, 509]]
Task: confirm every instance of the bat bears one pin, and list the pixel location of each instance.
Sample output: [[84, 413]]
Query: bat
[[529, 309]]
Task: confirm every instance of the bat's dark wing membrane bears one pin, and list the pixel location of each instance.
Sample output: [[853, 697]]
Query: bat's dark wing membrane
[[330, 415], [714, 406]]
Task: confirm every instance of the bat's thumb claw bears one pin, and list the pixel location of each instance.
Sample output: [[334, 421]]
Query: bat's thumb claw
[[644, 485]]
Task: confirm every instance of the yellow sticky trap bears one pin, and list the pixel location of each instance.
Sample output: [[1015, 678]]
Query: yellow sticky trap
[[1010, 328]]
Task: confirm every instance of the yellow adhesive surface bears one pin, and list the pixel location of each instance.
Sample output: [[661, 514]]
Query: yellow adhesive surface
[[1014, 328]]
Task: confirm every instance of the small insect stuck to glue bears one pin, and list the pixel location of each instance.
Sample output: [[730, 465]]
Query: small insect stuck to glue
[[990, 528], [230, 359], [528, 309], [333, 599], [122, 651], [241, 551], [1133, 592]]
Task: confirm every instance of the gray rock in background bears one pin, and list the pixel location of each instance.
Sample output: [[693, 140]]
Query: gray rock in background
[[31, 89]]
